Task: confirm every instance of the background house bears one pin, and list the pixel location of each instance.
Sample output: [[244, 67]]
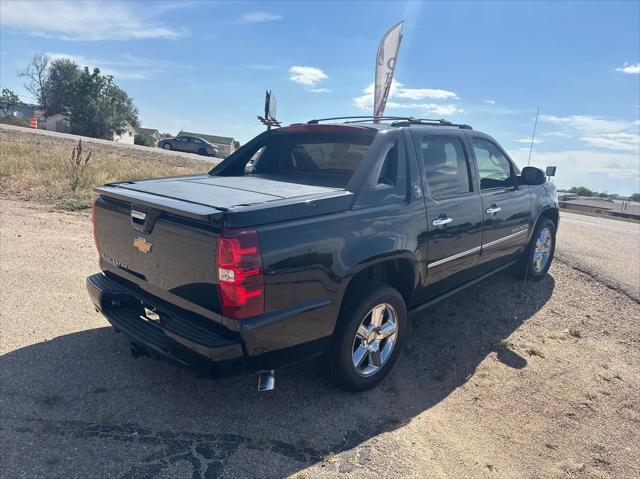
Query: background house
[[61, 124], [225, 145], [58, 123], [26, 111]]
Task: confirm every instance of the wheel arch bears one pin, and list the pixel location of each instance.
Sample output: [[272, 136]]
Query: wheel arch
[[551, 213], [399, 272]]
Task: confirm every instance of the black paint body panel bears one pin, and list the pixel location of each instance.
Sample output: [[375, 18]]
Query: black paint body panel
[[313, 241]]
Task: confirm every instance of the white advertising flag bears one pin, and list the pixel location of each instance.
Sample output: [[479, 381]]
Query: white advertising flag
[[385, 66]]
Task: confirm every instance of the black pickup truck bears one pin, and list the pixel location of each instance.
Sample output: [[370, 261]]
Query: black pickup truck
[[315, 239]]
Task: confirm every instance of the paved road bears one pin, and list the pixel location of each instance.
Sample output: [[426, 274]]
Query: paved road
[[607, 249], [75, 138]]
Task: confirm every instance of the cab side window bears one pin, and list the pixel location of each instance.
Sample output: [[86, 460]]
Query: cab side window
[[389, 172], [494, 167], [446, 166]]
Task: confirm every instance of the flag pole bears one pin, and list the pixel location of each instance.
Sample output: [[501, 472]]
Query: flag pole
[[533, 136]]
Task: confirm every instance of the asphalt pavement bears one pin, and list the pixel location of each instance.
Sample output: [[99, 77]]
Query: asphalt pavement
[[607, 249]]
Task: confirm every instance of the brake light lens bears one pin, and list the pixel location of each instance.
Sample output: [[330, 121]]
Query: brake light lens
[[93, 222], [240, 276]]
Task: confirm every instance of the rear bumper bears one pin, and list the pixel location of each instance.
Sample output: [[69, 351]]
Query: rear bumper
[[178, 337], [201, 344]]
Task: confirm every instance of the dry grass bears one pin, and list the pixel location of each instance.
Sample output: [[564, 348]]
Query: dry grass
[[36, 167]]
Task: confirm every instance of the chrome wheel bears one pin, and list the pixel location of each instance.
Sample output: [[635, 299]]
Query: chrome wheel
[[375, 339], [542, 251]]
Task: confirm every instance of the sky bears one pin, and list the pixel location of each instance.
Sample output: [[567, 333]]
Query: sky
[[204, 66]]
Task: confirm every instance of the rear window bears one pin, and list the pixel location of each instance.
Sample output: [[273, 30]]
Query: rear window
[[326, 159]]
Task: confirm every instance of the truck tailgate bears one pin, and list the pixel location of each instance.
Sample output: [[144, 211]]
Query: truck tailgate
[[168, 254]]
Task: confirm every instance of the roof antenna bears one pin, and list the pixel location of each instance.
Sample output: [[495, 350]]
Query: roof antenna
[[533, 136]]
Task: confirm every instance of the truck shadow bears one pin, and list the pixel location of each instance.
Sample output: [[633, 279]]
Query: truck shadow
[[85, 389]]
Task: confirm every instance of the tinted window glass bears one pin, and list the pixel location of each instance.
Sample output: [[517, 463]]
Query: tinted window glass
[[446, 166], [493, 167], [196, 140], [328, 159], [389, 172]]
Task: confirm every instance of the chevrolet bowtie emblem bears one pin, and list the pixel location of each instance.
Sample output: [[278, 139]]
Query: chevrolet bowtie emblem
[[142, 245]]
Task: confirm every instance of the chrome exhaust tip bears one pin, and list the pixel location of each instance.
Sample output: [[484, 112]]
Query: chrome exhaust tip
[[266, 380]]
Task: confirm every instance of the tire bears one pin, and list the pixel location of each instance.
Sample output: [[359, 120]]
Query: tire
[[166, 146], [534, 263], [202, 152], [349, 340]]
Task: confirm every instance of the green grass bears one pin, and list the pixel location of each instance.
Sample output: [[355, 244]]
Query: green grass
[[575, 333], [73, 204], [534, 352]]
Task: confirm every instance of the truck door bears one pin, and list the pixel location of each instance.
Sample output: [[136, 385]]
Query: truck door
[[454, 210], [506, 206]]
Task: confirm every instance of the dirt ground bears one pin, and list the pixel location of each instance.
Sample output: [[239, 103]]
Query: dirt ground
[[507, 379]]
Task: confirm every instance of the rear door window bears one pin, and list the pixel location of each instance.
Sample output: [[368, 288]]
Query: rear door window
[[446, 166]]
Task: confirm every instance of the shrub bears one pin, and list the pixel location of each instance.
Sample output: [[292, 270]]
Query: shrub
[[144, 139]]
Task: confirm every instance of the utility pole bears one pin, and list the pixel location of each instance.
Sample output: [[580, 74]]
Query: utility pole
[[533, 136]]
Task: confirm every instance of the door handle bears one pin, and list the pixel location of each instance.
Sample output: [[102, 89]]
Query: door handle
[[493, 210], [441, 221]]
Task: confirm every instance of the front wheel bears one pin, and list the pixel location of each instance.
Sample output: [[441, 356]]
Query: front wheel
[[369, 336], [166, 146], [537, 258]]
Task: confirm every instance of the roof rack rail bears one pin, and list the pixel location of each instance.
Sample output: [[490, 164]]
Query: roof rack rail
[[363, 118], [396, 121]]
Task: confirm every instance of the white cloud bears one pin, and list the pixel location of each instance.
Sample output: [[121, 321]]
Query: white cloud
[[599, 132], [422, 93], [558, 134], [629, 69], [260, 67], [615, 141], [82, 20], [308, 76], [490, 102], [319, 90], [528, 141], [125, 67], [259, 17], [399, 92]]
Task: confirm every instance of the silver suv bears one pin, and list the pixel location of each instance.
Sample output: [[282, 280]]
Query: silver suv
[[189, 144]]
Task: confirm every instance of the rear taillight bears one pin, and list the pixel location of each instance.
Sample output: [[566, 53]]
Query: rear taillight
[[93, 222], [240, 276]]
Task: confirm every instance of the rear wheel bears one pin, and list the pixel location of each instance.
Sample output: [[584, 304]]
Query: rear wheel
[[537, 258], [369, 336]]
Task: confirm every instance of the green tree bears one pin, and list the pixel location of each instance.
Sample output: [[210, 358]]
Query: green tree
[[62, 75], [581, 191], [97, 107], [8, 101], [634, 197]]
